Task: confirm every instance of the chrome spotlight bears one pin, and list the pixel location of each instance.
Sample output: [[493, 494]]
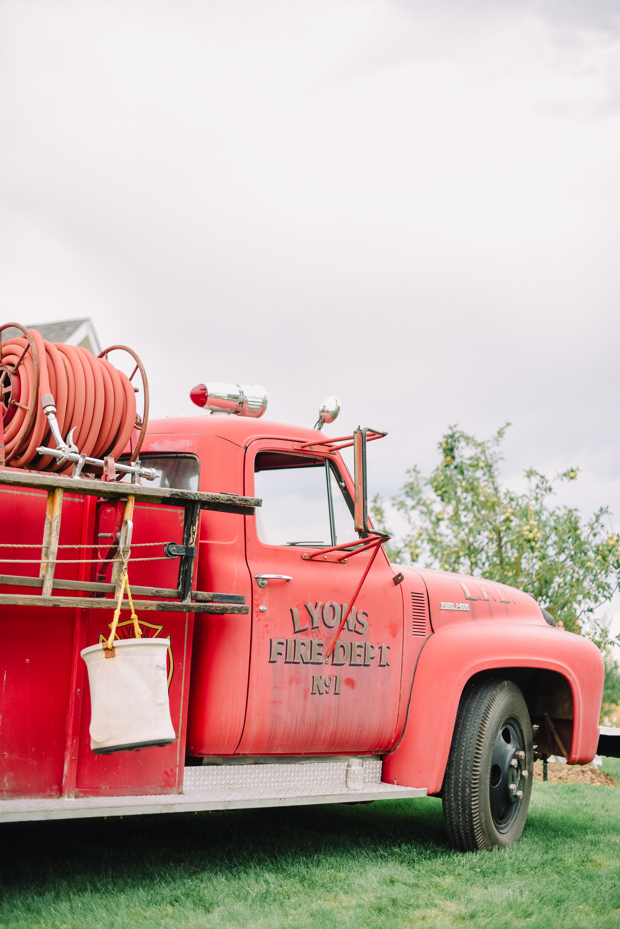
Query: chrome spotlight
[[328, 412]]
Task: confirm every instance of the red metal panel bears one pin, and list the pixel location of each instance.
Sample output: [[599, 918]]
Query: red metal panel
[[237, 429], [416, 629], [78, 670], [221, 660], [154, 523], [453, 655], [459, 599], [36, 652], [221, 654], [155, 770], [287, 712], [75, 704], [35, 665], [44, 696]]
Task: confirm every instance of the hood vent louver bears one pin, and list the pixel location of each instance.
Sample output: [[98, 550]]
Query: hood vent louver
[[419, 611]]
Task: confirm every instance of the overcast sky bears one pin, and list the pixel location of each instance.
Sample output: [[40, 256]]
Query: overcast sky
[[412, 205]]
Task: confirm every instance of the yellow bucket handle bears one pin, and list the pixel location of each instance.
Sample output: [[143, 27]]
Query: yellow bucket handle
[[117, 612]]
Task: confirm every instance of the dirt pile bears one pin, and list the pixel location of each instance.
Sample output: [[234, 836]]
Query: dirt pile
[[573, 774]]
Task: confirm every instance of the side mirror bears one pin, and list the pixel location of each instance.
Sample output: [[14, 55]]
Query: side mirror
[[359, 475], [360, 509]]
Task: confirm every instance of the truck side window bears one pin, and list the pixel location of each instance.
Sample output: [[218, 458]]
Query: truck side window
[[304, 501], [179, 471]]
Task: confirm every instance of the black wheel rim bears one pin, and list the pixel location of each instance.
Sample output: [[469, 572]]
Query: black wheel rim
[[507, 783]]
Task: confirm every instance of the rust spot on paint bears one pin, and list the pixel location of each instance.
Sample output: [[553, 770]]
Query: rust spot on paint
[[349, 682], [393, 628]]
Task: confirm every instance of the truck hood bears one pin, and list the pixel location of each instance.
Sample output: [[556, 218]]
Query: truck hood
[[456, 599]]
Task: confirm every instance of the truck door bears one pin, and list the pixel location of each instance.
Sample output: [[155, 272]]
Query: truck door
[[298, 703]]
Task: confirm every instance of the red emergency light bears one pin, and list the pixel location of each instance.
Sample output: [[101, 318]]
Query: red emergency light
[[238, 399]]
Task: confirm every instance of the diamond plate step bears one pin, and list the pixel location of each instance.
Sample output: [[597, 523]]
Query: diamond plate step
[[226, 787]]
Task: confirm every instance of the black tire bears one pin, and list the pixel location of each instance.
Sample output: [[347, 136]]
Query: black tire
[[488, 782]]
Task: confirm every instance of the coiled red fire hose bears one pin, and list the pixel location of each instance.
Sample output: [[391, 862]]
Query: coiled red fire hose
[[91, 396]]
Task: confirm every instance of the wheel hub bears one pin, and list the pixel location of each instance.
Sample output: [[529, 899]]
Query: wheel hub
[[508, 774]]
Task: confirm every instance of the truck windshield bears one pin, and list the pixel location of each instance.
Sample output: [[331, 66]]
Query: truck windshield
[[305, 501], [179, 471]]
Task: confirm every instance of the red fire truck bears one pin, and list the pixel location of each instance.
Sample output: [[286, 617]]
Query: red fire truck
[[301, 666]]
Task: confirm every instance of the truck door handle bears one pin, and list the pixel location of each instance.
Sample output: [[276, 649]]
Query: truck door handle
[[262, 579]]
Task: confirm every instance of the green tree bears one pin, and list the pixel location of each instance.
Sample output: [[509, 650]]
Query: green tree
[[611, 690], [462, 519]]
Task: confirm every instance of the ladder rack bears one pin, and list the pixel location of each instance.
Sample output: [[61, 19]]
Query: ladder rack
[[179, 599]]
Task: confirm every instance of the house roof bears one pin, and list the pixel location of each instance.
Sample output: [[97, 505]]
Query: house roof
[[70, 331]]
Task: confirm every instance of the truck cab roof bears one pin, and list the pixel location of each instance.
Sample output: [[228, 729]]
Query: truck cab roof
[[238, 429]]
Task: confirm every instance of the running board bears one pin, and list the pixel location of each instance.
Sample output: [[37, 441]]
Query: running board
[[227, 787]]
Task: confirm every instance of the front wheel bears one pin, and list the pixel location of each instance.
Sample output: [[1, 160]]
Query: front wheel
[[488, 782]]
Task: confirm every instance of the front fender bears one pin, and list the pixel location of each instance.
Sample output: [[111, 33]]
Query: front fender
[[453, 655]]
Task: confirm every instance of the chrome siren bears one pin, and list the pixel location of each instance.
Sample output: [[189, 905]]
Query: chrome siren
[[240, 399]]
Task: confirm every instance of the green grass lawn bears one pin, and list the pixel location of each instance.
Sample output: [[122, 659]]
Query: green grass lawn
[[381, 865], [612, 766]]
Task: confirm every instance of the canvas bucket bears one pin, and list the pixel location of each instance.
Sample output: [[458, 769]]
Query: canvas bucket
[[130, 708]]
